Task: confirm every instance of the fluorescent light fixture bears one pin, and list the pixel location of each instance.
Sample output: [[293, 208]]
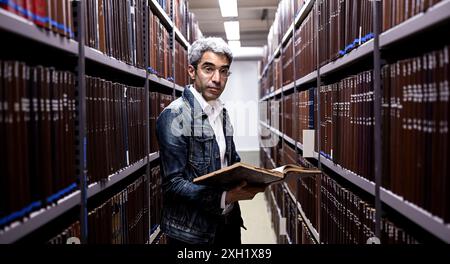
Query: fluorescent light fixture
[[234, 44], [228, 8], [232, 30], [248, 53]]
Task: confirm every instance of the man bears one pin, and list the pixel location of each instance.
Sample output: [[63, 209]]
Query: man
[[195, 138]]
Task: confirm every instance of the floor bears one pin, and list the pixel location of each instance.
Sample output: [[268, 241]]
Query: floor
[[256, 212]]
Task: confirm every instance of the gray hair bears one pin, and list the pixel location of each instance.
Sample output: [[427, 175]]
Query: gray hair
[[214, 44]]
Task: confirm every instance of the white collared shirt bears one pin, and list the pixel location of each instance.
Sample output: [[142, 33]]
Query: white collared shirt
[[213, 109]]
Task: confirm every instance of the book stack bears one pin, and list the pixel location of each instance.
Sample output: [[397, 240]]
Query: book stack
[[160, 55], [52, 15], [158, 102], [305, 46], [115, 127], [415, 128], [305, 113], [397, 11], [181, 65], [180, 16], [347, 123], [287, 60], [193, 28], [166, 5], [156, 198], [122, 219], [347, 219], [115, 28], [37, 138]]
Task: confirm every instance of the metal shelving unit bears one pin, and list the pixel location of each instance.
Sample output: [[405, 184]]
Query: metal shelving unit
[[98, 57], [24, 28], [417, 24], [155, 79], [181, 38], [98, 187], [161, 13], [303, 12], [434, 16], [38, 219], [298, 19], [311, 228], [432, 224]]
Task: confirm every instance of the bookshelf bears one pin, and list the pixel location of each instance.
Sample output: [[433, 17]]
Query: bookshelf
[[45, 215], [286, 188], [435, 16], [24, 28], [94, 55], [180, 37], [311, 229], [17, 28], [419, 216], [161, 13]]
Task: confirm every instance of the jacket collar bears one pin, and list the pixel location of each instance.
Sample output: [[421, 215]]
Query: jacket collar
[[197, 112], [196, 109]]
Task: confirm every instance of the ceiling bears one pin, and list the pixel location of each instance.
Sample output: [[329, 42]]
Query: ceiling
[[255, 18]]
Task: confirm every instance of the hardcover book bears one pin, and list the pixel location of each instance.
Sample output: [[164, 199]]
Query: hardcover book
[[231, 176]]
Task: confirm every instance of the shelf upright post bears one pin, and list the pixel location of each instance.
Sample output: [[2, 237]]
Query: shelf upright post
[[172, 46], [295, 133], [377, 113], [316, 29], [146, 45], [319, 164], [81, 144]]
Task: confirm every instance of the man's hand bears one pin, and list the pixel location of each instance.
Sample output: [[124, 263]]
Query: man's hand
[[243, 192]]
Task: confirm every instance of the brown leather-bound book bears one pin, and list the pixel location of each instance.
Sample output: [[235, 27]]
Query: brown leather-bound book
[[19, 104], [231, 176], [96, 144], [55, 88], [444, 148], [68, 19], [386, 126], [107, 26], [73, 118], [88, 127], [3, 162], [61, 17], [101, 26], [45, 134]]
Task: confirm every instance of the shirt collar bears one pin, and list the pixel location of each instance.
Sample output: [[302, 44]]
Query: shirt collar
[[213, 107]]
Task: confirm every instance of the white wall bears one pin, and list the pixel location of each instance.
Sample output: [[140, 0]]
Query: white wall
[[241, 100]]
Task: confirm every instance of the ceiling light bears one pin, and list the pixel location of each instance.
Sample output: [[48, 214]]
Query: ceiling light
[[232, 30], [228, 8], [234, 44]]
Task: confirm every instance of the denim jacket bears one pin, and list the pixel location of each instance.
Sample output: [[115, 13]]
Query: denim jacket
[[188, 149]]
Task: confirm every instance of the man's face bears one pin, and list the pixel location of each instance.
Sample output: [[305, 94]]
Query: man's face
[[211, 75]]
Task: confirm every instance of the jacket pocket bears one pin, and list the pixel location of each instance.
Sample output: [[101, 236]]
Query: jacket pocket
[[199, 168], [201, 150]]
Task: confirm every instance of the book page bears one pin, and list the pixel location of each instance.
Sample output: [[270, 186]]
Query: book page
[[279, 169]]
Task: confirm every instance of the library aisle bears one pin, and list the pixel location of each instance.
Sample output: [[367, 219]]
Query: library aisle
[[256, 217], [256, 212], [356, 90]]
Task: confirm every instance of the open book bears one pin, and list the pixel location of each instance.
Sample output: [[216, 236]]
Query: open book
[[231, 176]]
